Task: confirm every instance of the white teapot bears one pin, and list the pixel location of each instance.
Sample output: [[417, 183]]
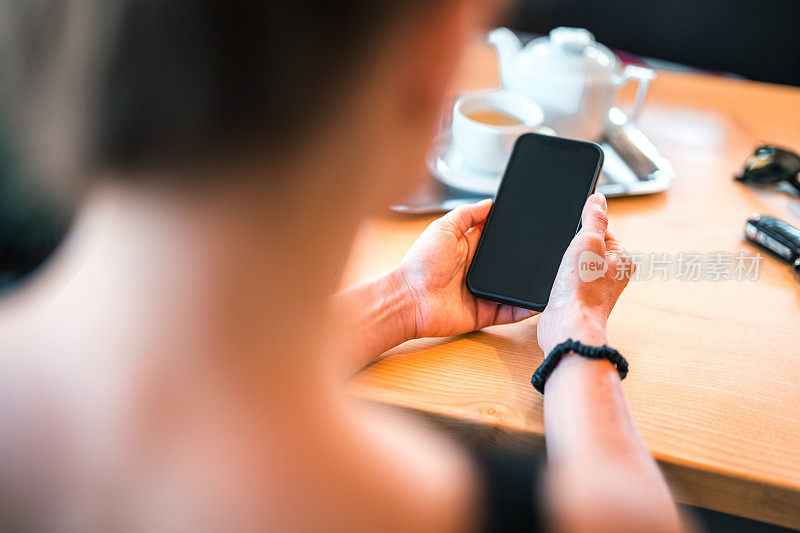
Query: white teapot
[[571, 76]]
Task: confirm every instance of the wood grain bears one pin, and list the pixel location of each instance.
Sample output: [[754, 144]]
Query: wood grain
[[715, 365]]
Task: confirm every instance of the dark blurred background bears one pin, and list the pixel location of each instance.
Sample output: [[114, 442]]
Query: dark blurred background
[[758, 39], [32, 223]]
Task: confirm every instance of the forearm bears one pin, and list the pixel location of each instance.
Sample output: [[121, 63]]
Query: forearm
[[587, 416], [374, 316], [595, 452]]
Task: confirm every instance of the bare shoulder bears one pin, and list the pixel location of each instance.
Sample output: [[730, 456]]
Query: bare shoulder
[[387, 471], [433, 477]]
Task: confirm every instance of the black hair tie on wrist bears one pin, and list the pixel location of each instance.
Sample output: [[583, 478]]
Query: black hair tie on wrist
[[592, 352]]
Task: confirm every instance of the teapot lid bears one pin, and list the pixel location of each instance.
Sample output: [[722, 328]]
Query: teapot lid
[[570, 49]]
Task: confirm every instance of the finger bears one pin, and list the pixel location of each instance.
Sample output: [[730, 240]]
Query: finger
[[594, 219], [624, 263], [508, 314], [473, 236], [620, 259], [464, 217], [613, 246]]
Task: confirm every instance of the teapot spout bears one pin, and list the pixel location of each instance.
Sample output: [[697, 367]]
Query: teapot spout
[[508, 46]]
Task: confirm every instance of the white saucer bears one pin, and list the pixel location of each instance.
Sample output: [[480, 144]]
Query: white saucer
[[617, 179], [447, 165]]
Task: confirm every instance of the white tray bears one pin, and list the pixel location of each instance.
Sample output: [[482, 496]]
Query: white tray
[[632, 166]]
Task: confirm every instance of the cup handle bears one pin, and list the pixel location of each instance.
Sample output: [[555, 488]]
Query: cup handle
[[643, 76]]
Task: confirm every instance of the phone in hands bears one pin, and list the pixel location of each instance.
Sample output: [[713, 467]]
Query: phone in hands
[[535, 215]]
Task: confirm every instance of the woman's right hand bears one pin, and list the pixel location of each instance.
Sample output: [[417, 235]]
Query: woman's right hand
[[593, 273]]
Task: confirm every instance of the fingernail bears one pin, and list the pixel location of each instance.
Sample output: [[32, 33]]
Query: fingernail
[[598, 199], [485, 201]]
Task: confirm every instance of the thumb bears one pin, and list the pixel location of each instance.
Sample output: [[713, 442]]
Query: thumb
[[464, 217], [594, 219]]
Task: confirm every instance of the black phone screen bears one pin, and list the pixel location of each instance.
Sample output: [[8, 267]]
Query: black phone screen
[[535, 216]]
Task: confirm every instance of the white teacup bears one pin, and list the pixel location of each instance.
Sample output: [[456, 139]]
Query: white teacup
[[485, 145]]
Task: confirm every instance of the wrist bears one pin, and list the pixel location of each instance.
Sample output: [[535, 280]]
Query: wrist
[[589, 334], [405, 302], [602, 358], [579, 324]]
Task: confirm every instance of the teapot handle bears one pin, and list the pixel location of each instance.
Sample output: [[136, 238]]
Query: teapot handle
[[643, 76]]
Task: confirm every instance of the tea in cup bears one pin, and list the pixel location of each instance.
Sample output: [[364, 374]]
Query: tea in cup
[[487, 123], [493, 117]]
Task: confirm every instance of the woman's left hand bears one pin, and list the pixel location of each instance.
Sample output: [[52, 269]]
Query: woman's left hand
[[434, 272]]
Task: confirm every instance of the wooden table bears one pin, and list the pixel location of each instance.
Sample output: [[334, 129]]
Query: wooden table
[[715, 365]]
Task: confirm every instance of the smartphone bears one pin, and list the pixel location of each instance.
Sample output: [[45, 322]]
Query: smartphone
[[535, 215]]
